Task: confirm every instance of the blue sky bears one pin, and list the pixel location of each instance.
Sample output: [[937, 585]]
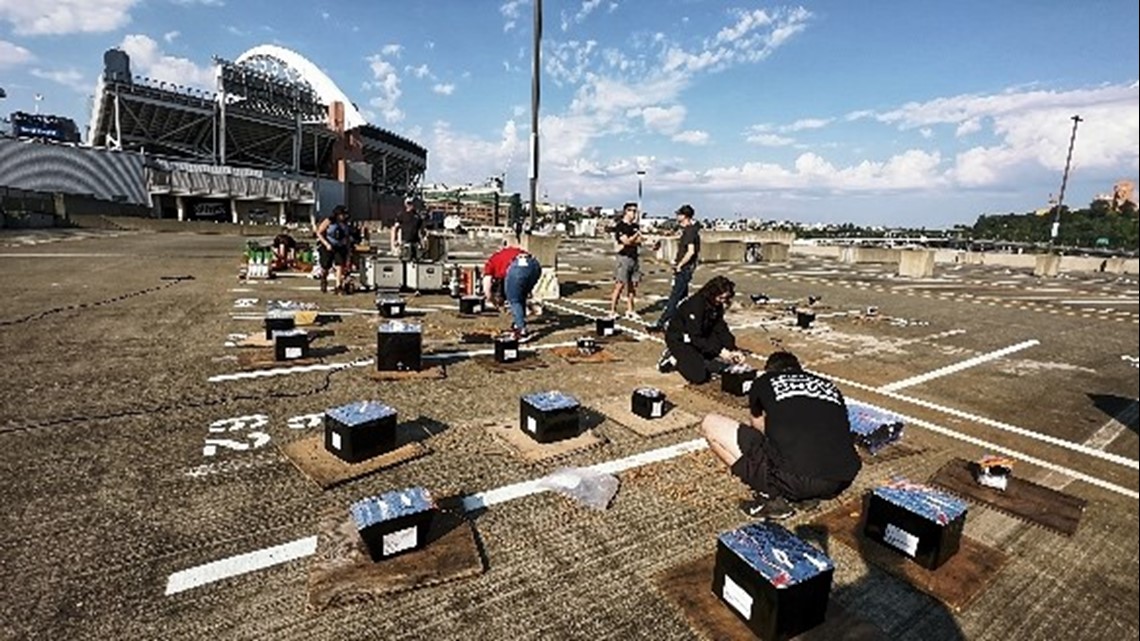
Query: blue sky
[[884, 112]]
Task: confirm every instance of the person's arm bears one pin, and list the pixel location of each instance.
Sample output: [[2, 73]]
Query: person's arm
[[724, 338], [756, 404], [322, 234], [488, 283], [395, 235]]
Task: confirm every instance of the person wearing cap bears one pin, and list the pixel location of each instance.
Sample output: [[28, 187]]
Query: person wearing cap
[[518, 272], [334, 237], [688, 252], [408, 232]]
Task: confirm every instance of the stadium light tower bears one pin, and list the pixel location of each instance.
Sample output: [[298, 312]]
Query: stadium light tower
[[1064, 181], [536, 71]]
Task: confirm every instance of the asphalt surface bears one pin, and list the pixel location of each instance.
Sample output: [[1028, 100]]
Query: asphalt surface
[[121, 469]]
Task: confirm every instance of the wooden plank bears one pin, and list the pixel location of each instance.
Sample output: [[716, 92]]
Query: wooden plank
[[310, 457]]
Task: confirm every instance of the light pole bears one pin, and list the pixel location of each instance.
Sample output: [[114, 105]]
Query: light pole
[[536, 71], [1064, 181], [640, 175]]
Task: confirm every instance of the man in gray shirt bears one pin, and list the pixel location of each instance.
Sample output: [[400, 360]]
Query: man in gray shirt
[[688, 252]]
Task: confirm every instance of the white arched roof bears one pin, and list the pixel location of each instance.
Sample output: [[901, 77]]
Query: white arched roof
[[324, 87]]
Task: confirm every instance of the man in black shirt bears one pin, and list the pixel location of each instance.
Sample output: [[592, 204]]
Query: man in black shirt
[[407, 231], [688, 252], [627, 269], [698, 343], [799, 446]]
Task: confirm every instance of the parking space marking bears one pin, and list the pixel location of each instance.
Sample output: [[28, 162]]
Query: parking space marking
[[957, 367], [240, 564]]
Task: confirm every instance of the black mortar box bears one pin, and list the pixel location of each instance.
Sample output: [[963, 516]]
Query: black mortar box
[[549, 416], [391, 307], [471, 305], [775, 582], [399, 346], [395, 522], [648, 403], [359, 431], [804, 319], [290, 344], [506, 348], [917, 521], [737, 380], [278, 323], [605, 326]]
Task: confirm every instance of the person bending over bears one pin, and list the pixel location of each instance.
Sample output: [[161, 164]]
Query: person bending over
[[519, 273], [698, 342], [284, 250], [799, 446]]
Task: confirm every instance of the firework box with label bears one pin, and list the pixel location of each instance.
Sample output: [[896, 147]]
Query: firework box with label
[[804, 319], [395, 522], [549, 416], [873, 429], [399, 346], [276, 321], [993, 471], [587, 345], [605, 326], [648, 403], [919, 522], [359, 431], [737, 380], [290, 344], [777, 583], [471, 305], [506, 348], [391, 306]]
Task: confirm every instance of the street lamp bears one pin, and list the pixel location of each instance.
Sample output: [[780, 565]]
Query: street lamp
[[536, 71], [1064, 181], [640, 175]]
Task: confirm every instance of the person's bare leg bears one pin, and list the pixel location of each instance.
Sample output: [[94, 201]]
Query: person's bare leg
[[615, 297], [720, 432], [632, 294]]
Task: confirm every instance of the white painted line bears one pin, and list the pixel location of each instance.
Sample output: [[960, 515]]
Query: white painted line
[[240, 564], [957, 367], [484, 352], [57, 255], [282, 371], [1116, 426], [1098, 301]]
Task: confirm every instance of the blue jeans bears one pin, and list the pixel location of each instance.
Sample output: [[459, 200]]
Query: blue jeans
[[680, 292], [521, 278]]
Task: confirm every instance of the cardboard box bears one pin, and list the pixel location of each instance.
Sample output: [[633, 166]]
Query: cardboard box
[[391, 306], [399, 346], [648, 402], [919, 522], [506, 348], [737, 380], [395, 522], [549, 416], [359, 431], [278, 322], [471, 305], [605, 326], [778, 584], [290, 344]]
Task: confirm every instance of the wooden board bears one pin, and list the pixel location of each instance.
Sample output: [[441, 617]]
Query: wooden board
[[310, 457], [573, 355], [527, 361], [956, 583], [532, 451], [1021, 499], [251, 359], [429, 374], [342, 572], [711, 390], [674, 419], [689, 587]]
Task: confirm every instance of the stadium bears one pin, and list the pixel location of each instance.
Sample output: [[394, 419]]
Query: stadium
[[276, 140]]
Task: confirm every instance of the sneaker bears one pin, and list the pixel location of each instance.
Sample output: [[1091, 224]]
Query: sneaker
[[773, 509], [522, 336], [666, 363], [633, 316]]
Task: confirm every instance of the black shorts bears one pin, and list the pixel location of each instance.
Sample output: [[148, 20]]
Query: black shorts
[[338, 255], [759, 466]]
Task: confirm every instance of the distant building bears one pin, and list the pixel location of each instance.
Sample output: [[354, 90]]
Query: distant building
[[475, 206]]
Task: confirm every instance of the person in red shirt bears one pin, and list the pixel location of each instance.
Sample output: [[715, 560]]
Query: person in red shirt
[[518, 272]]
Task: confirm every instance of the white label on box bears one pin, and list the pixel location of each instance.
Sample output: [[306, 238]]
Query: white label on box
[[510, 354], [531, 424], [334, 440], [292, 352], [746, 387], [658, 408], [608, 331], [399, 541], [479, 308], [899, 538], [393, 309], [735, 596]]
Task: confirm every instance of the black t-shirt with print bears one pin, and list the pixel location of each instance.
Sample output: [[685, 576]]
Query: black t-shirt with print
[[805, 420], [625, 229]]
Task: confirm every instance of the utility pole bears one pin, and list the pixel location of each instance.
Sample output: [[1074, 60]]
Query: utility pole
[[640, 175], [536, 71], [1064, 181]]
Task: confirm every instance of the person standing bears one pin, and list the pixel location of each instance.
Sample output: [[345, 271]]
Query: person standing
[[698, 343], [518, 272], [688, 253], [627, 269], [407, 232], [798, 447], [334, 236]]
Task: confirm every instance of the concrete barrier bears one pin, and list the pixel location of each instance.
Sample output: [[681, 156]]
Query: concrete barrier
[[816, 251], [916, 263], [1047, 265], [667, 252], [774, 252], [547, 287], [544, 248], [722, 251], [868, 255], [767, 236]]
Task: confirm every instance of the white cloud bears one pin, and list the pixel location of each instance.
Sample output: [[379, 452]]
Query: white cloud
[[692, 137], [59, 17], [926, 132], [387, 82], [70, 78], [755, 36], [443, 89], [235, 31], [420, 72], [511, 12], [968, 127], [325, 15], [12, 54], [392, 50], [204, 3], [170, 36], [666, 120], [584, 11], [147, 59], [809, 123], [567, 62], [461, 156], [761, 135]]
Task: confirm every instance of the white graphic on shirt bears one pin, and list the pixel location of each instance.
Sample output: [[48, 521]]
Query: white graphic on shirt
[[789, 385]]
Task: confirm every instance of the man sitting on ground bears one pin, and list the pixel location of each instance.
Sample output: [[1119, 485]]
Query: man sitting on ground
[[799, 446]]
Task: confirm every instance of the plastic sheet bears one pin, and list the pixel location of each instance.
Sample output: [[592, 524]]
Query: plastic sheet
[[592, 489]]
